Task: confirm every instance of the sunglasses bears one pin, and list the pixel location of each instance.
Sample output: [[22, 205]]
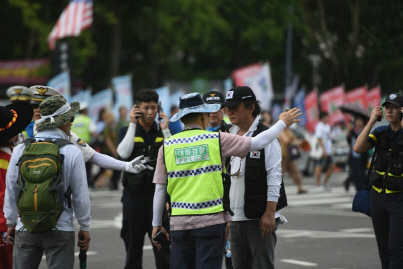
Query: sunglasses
[[35, 106], [72, 119], [237, 173]]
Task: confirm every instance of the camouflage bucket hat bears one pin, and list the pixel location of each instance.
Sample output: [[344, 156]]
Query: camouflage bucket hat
[[56, 112]]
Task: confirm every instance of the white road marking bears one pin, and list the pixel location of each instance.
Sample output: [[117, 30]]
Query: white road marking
[[289, 233], [358, 230], [297, 262], [319, 201], [89, 253]]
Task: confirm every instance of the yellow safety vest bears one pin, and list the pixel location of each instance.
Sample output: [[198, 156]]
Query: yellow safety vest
[[194, 167]]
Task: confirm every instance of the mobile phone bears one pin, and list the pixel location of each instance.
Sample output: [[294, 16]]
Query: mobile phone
[[379, 118], [152, 163], [159, 110], [161, 238], [141, 161], [137, 117]]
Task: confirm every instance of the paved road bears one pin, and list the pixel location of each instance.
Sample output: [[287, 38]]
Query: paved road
[[322, 231]]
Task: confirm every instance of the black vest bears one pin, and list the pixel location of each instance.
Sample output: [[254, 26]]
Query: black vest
[[389, 161], [141, 183], [256, 183]]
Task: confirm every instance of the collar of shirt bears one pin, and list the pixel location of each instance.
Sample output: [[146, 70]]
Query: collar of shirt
[[235, 129], [153, 127], [192, 126], [52, 133]]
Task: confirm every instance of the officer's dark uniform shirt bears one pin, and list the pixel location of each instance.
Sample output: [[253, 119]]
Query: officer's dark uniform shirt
[[394, 135]]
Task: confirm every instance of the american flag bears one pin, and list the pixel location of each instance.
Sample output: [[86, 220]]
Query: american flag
[[76, 17]]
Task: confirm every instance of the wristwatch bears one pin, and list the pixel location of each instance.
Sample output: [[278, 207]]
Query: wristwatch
[[11, 225]]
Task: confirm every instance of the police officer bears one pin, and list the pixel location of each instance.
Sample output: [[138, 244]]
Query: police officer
[[19, 93], [143, 136], [386, 195], [216, 119]]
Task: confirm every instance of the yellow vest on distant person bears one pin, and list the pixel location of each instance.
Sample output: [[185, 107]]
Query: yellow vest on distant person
[[194, 167], [81, 127]]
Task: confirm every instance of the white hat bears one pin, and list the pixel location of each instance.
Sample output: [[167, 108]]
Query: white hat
[[42, 92], [19, 93]]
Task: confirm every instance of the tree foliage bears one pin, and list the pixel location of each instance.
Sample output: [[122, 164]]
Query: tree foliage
[[155, 40]]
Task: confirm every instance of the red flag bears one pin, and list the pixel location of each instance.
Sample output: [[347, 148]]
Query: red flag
[[358, 97], [374, 98], [330, 101], [311, 110], [76, 17]]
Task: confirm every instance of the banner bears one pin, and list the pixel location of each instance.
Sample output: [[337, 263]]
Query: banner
[[165, 98], [24, 72], [122, 87], [258, 78], [357, 96], [330, 102], [312, 111], [374, 98], [102, 99], [299, 102], [290, 91], [61, 83], [83, 97]]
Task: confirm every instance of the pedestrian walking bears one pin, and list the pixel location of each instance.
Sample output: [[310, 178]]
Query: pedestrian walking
[[189, 168], [13, 120], [48, 229], [386, 194], [257, 191], [143, 136], [322, 133]]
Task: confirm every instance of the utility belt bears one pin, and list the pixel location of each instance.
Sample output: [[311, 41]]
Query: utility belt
[[387, 182], [138, 183]]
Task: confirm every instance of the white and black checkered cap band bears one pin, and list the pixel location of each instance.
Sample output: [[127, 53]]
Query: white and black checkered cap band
[[196, 206]]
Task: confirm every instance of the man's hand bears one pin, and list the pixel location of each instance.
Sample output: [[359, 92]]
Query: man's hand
[[85, 243], [267, 224], [164, 122], [11, 233], [291, 116], [155, 231], [135, 112], [132, 167], [377, 111]]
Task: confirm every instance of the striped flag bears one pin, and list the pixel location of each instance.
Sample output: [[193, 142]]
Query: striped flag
[[76, 17]]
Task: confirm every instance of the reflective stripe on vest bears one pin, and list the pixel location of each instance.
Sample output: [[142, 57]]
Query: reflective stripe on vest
[[81, 127], [194, 167]]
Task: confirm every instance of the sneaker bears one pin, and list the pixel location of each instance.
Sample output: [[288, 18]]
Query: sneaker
[[319, 188], [327, 187]]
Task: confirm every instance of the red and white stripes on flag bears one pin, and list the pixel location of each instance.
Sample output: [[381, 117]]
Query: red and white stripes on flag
[[76, 17]]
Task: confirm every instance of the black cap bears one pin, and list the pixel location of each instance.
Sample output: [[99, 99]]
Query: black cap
[[213, 97], [395, 99], [239, 94]]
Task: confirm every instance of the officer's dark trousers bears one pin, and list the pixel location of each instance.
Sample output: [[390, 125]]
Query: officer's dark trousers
[[387, 219], [198, 248], [137, 218]]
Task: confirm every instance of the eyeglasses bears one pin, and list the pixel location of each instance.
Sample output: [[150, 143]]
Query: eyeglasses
[[35, 106], [237, 173], [72, 119]]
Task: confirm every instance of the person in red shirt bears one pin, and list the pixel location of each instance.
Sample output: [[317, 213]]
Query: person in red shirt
[[13, 120]]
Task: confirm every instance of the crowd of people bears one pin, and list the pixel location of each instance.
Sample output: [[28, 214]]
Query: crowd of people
[[204, 184]]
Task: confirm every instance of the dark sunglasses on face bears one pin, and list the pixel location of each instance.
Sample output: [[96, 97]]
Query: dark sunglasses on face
[[35, 106], [72, 119]]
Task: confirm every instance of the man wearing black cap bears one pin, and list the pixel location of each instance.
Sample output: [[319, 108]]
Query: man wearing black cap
[[216, 119], [257, 193], [386, 194]]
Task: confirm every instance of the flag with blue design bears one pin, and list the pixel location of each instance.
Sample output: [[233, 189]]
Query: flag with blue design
[[299, 102]]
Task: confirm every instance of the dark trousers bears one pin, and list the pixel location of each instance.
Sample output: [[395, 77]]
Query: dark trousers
[[198, 248], [137, 218], [358, 173], [387, 219]]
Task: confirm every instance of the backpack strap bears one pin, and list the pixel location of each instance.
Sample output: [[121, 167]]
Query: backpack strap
[[60, 142]]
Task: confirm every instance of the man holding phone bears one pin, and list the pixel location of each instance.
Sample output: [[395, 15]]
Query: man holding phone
[[143, 136]]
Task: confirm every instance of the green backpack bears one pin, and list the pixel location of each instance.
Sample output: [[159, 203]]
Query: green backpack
[[40, 199]]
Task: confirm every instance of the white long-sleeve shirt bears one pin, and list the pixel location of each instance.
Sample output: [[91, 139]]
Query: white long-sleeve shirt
[[73, 175], [274, 175]]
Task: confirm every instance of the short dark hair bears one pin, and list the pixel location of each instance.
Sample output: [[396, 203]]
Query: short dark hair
[[189, 118], [248, 104], [323, 114], [146, 95]]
